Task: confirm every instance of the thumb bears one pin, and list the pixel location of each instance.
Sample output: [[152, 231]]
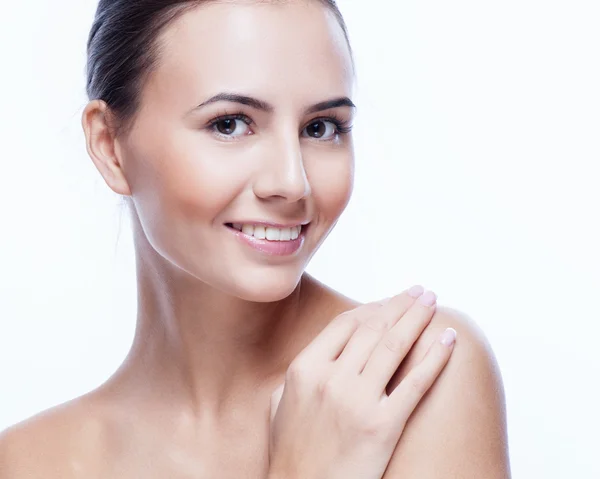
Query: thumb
[[275, 399]]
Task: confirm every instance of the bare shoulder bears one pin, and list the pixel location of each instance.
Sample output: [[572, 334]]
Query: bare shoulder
[[459, 428], [59, 442]]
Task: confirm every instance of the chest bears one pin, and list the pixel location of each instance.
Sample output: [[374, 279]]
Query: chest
[[233, 454]]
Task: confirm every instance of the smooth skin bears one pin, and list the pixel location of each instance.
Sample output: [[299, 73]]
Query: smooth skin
[[218, 323], [334, 407]]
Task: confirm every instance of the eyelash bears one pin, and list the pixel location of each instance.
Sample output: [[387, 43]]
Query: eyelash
[[341, 127]]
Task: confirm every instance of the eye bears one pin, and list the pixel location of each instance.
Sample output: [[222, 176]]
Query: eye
[[322, 130], [231, 126]]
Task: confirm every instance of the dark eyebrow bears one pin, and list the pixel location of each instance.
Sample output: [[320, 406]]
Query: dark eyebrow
[[264, 106], [244, 100], [335, 103]]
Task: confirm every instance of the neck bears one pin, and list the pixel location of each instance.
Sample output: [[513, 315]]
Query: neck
[[205, 351]]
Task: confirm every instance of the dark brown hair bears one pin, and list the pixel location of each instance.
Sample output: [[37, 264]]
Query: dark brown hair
[[122, 48]]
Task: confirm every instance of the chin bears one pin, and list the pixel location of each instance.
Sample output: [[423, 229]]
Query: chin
[[266, 286]]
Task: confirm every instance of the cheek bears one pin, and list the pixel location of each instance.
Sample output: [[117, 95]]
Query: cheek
[[332, 182], [180, 182]]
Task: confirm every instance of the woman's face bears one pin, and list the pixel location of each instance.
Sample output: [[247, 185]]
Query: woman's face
[[241, 123]]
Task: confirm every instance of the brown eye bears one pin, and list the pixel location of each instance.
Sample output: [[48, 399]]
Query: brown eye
[[231, 127], [226, 127], [316, 130], [321, 130]]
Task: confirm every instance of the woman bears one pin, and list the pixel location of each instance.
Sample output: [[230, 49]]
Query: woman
[[227, 126]]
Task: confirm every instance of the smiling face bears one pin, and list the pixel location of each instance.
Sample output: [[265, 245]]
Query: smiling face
[[244, 121]]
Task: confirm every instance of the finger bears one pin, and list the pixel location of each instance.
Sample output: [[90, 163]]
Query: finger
[[404, 399], [330, 342], [393, 347], [360, 346]]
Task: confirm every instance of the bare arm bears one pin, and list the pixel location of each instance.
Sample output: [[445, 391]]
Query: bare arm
[[459, 428]]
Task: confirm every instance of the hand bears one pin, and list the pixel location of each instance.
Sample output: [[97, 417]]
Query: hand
[[332, 417]]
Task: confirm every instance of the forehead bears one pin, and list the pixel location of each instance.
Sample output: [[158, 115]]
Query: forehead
[[269, 49]]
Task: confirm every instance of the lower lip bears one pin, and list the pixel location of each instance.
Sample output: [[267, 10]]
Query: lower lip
[[273, 248]]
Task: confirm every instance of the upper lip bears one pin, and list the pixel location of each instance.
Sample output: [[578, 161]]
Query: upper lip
[[269, 223]]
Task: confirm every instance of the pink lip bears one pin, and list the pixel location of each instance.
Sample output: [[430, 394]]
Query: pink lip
[[273, 248]]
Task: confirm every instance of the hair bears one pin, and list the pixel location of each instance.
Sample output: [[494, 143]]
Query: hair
[[122, 48]]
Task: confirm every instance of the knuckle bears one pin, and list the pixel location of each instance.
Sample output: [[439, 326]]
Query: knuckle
[[418, 385], [297, 371], [355, 321], [375, 426], [331, 390], [370, 429], [375, 323], [349, 316], [395, 343]]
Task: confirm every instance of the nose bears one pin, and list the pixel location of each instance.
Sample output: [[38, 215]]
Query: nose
[[282, 174]]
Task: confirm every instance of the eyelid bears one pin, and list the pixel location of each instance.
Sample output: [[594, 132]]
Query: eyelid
[[332, 117], [212, 124], [230, 116], [342, 126]]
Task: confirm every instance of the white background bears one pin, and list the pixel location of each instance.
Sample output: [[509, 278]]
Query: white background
[[478, 145]]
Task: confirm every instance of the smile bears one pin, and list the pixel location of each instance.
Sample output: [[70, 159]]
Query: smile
[[270, 233], [270, 240]]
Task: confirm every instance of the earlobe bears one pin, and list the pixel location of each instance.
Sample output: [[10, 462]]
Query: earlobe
[[101, 146]]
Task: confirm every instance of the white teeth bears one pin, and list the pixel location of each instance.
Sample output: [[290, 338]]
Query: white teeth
[[286, 234], [273, 234], [269, 233]]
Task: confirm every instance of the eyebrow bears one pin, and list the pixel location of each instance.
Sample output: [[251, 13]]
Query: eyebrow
[[264, 106]]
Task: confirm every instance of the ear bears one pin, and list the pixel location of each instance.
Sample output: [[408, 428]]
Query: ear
[[102, 146]]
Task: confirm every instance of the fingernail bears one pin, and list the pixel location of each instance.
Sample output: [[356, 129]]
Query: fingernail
[[428, 298], [448, 337], [416, 291]]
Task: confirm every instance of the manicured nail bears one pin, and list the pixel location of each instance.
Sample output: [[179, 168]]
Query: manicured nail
[[428, 298], [416, 291], [448, 337]]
